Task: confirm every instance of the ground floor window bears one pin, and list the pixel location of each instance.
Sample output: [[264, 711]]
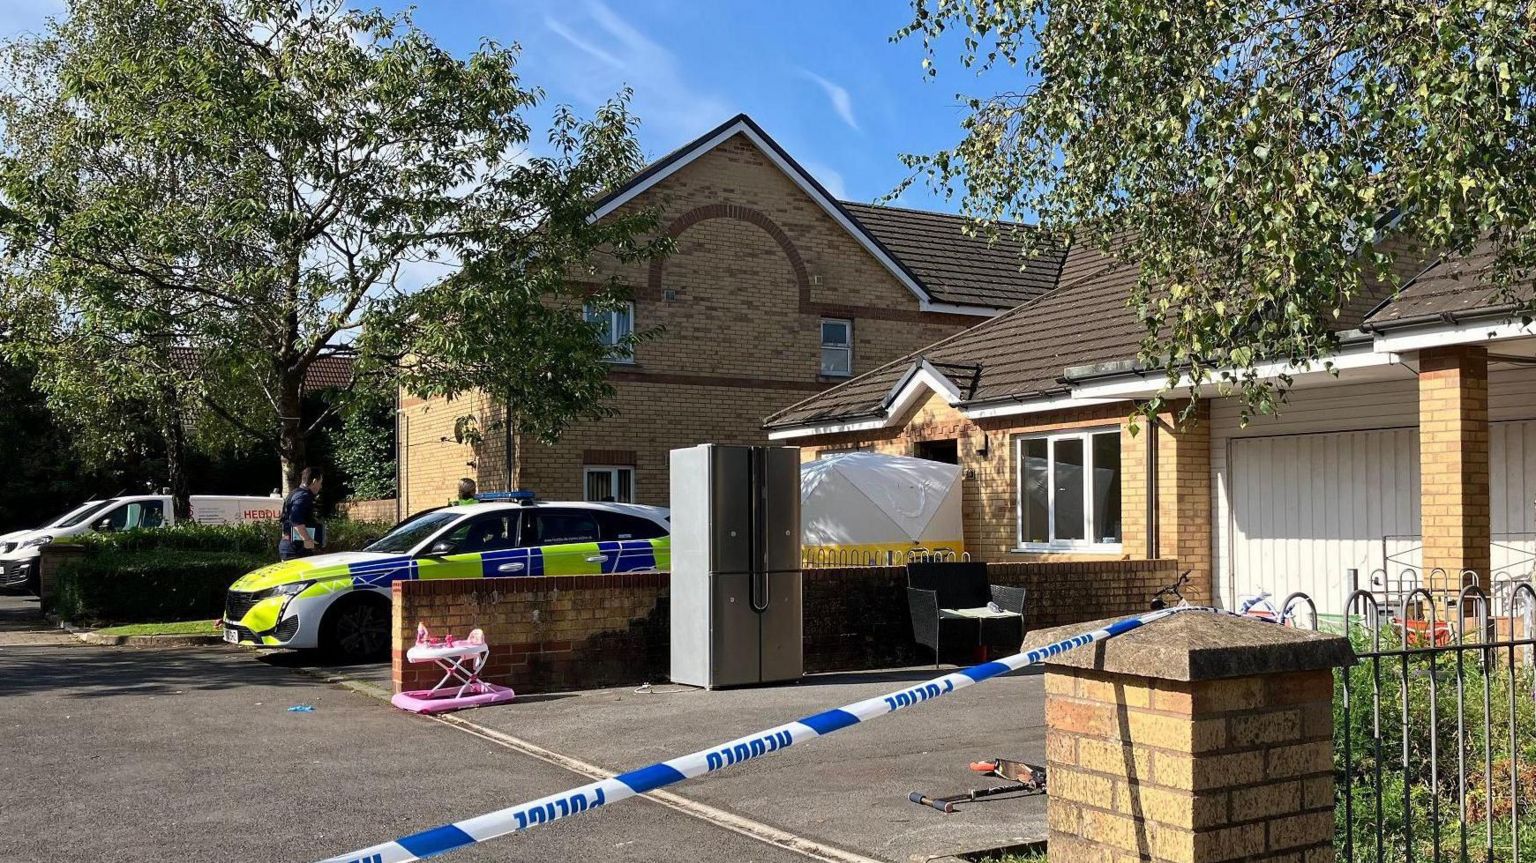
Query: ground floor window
[[615, 484], [947, 451], [1069, 490]]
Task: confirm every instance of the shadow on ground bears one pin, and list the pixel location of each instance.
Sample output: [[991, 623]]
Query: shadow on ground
[[102, 673]]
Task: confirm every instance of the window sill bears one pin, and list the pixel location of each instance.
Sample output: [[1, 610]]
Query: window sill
[[1060, 548], [826, 378]]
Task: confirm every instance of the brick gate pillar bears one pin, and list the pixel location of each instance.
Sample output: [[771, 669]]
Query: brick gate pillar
[[1453, 463], [1200, 738]]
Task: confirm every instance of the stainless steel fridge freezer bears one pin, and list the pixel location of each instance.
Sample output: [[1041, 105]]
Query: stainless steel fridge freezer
[[736, 592]]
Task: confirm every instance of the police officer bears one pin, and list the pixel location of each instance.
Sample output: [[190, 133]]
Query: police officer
[[466, 493], [300, 526]]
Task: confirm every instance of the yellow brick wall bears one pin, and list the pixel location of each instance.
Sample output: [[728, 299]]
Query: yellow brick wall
[[1453, 458], [758, 264], [991, 481], [1156, 770]]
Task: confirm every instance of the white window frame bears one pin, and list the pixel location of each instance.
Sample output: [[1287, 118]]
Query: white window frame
[[613, 471], [846, 347], [626, 310], [1077, 545]]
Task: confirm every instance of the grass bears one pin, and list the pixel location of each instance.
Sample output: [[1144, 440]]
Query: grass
[[1034, 854], [185, 627]]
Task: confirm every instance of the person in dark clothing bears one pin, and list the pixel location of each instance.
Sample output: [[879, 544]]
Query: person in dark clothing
[[300, 524]]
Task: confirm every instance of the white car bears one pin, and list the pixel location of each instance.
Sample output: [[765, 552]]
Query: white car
[[19, 550]]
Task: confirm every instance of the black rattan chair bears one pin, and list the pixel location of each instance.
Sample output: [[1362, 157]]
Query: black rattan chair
[[937, 592]]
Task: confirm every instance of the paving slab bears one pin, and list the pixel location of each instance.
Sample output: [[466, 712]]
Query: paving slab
[[847, 790], [150, 755]]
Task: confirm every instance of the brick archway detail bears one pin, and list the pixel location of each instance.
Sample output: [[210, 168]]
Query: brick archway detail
[[745, 214]]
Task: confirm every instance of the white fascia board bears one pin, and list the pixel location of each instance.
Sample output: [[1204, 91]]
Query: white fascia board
[[1455, 334], [831, 428], [905, 393], [952, 309], [923, 373], [800, 179], [1154, 383], [1035, 407]]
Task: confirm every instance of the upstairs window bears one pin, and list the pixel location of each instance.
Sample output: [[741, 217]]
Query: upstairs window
[[614, 326], [1069, 491], [836, 348]]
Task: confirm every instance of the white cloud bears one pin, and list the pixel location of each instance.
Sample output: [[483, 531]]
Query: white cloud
[[581, 44], [842, 103], [665, 100], [830, 179]]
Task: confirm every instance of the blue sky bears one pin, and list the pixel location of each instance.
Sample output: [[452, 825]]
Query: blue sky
[[821, 77]]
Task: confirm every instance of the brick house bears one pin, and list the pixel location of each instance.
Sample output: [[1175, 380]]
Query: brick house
[[1421, 453], [776, 291]]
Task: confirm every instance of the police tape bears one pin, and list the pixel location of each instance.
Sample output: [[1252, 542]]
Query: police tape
[[449, 837]]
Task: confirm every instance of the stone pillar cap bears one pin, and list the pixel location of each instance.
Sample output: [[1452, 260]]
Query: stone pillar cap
[[1197, 645]]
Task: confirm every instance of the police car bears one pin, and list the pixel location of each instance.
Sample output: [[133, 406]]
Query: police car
[[341, 602]]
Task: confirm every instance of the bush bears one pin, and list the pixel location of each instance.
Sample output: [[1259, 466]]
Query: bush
[[175, 573], [249, 538], [112, 586]]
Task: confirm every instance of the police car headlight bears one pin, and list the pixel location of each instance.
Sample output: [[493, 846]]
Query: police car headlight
[[292, 589], [36, 541]]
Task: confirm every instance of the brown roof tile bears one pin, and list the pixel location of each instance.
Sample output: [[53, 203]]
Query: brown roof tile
[[1451, 286], [959, 268], [1021, 353]]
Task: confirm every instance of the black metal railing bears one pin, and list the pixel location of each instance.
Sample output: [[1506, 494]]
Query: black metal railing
[[1436, 738]]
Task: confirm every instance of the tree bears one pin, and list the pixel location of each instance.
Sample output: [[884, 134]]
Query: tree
[[1253, 157], [241, 183], [520, 321], [363, 443]]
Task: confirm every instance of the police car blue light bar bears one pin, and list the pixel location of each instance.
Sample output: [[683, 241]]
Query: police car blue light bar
[[450, 837], [500, 496]]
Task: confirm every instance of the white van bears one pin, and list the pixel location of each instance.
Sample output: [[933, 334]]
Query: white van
[[19, 550]]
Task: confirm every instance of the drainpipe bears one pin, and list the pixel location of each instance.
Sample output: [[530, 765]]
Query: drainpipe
[[1152, 550]]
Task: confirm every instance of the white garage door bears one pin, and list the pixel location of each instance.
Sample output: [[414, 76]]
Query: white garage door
[[1307, 508]]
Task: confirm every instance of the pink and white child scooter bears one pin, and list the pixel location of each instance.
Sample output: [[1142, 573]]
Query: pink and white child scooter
[[461, 687]]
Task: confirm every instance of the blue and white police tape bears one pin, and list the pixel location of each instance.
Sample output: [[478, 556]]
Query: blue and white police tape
[[440, 840]]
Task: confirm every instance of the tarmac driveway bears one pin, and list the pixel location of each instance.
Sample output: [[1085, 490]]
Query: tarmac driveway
[[154, 755], [848, 790]]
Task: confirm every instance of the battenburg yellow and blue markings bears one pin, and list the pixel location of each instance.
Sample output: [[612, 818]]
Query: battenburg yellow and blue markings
[[440, 840]]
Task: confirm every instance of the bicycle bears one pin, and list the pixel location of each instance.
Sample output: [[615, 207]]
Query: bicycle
[[1174, 590]]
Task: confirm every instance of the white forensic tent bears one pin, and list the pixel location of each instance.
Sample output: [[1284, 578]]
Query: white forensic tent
[[862, 504]]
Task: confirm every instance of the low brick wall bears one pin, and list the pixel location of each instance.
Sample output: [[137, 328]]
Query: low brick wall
[[382, 509], [546, 634], [573, 632]]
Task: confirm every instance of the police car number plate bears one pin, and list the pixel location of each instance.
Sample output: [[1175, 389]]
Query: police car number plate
[[232, 636]]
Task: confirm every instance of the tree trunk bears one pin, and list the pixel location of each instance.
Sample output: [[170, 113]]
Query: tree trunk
[[290, 439], [175, 434]]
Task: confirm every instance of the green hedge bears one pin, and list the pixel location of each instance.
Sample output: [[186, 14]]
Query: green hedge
[[174, 573], [249, 538], [111, 586]]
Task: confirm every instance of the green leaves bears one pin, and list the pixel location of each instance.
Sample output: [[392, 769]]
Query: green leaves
[[248, 183], [1271, 160]]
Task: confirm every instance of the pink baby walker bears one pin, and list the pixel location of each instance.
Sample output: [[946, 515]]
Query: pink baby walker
[[461, 660]]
